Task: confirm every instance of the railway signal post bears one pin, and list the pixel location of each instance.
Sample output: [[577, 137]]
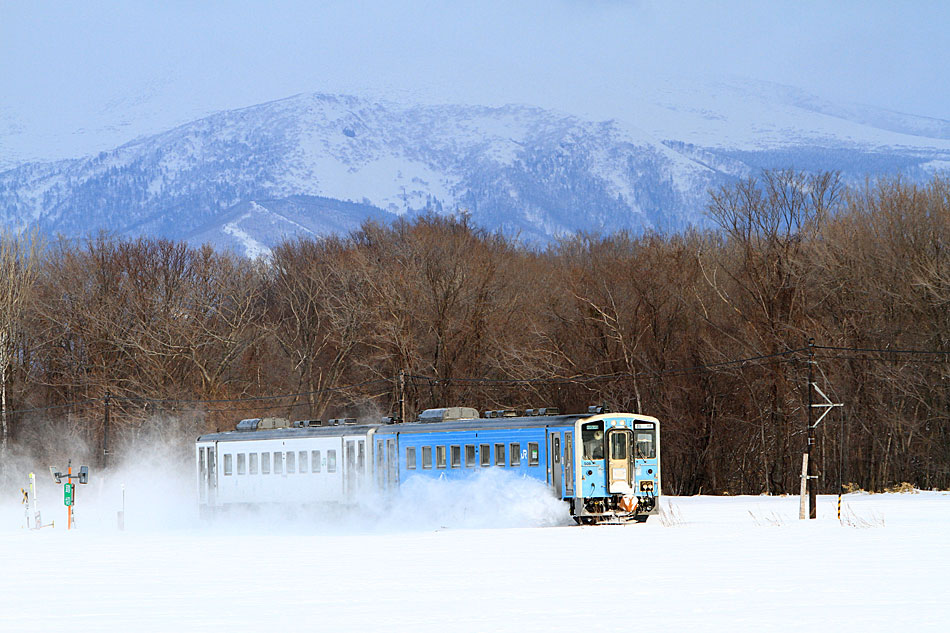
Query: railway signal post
[[69, 488], [809, 486]]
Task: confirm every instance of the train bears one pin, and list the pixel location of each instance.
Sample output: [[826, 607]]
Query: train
[[605, 466]]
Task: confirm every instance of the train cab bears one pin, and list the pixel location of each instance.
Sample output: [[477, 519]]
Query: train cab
[[618, 469]]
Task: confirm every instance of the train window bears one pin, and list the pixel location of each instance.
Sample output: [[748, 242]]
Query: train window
[[515, 454], [592, 435], [302, 462], [618, 445], [361, 455], [456, 454], [315, 461], [646, 447], [291, 463], [440, 457], [484, 450], [227, 464], [499, 454], [411, 457], [470, 456], [278, 463], [265, 463], [241, 464], [252, 464], [427, 457], [533, 454], [331, 461]]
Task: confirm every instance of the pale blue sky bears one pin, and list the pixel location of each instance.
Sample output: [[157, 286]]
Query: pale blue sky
[[64, 62]]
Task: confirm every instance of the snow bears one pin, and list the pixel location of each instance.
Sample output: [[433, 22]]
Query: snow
[[936, 166], [488, 554], [253, 249]]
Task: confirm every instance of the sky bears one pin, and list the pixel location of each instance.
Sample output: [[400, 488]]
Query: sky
[[101, 71]]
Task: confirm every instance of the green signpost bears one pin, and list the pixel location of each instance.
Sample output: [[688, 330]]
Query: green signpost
[[69, 488]]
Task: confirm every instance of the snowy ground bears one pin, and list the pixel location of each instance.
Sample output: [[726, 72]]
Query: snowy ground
[[710, 564]]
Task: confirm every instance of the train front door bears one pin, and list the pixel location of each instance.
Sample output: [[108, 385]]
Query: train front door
[[620, 461], [557, 467]]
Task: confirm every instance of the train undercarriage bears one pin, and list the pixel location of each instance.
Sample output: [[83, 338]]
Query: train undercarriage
[[614, 509]]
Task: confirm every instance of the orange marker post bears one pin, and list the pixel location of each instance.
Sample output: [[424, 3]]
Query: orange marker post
[[69, 496], [69, 488]]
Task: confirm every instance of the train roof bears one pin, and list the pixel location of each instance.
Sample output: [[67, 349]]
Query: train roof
[[471, 424], [521, 422], [289, 432]]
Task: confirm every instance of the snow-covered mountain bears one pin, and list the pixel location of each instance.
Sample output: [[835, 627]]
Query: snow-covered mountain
[[319, 164]]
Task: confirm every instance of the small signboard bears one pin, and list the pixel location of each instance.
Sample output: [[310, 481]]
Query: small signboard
[[68, 494]]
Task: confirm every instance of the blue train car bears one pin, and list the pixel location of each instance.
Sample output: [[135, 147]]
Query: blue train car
[[606, 466]]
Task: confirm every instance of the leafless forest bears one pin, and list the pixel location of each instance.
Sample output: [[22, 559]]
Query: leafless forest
[[708, 331]]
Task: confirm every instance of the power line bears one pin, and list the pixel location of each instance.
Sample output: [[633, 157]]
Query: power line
[[881, 351], [252, 398], [267, 408], [55, 406], [209, 401], [871, 359], [605, 377], [784, 356]]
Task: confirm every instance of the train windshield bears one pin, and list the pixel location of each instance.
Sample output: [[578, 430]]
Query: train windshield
[[645, 441], [592, 435]]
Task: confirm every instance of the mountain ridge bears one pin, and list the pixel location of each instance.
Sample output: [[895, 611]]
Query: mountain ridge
[[317, 164]]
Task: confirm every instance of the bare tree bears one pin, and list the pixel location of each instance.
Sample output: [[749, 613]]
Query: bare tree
[[317, 313], [19, 255]]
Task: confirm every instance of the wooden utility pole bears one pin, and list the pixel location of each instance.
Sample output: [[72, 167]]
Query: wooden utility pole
[[105, 430], [402, 395], [809, 474]]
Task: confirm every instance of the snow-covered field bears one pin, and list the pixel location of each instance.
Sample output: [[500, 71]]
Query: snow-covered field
[[474, 556]]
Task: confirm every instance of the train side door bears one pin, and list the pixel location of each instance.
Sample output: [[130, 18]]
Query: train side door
[[392, 461], [620, 462], [207, 475], [351, 470], [381, 464], [557, 469], [212, 475], [569, 463]]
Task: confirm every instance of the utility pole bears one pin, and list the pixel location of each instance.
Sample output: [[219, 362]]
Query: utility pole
[[807, 463], [809, 476], [105, 431], [402, 395]]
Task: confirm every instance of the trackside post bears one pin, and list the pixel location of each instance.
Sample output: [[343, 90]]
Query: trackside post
[[69, 488]]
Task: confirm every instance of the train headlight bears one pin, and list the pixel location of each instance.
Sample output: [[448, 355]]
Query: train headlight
[[646, 486]]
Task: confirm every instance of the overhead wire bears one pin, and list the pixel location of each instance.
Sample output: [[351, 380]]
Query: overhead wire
[[252, 398], [777, 357], [882, 350], [616, 376]]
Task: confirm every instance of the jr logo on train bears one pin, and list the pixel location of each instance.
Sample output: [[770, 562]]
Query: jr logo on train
[[605, 466]]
